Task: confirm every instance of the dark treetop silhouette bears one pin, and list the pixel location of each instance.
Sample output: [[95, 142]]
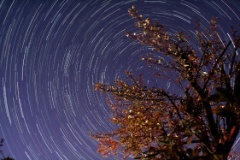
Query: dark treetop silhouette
[[199, 120], [2, 154]]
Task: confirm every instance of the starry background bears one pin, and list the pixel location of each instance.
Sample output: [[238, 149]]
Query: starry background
[[51, 54]]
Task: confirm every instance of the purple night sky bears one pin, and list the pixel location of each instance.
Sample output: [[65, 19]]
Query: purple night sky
[[51, 54]]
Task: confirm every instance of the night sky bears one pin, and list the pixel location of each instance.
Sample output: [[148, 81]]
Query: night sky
[[51, 54]]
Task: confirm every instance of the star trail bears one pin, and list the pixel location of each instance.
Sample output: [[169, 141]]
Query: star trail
[[52, 53]]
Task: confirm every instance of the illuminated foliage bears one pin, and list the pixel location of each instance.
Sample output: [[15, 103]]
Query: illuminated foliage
[[200, 121]]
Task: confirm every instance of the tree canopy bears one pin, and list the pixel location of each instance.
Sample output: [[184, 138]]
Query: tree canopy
[[3, 156], [200, 120]]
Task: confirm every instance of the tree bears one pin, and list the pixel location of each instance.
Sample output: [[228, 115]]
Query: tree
[[3, 156], [199, 120]]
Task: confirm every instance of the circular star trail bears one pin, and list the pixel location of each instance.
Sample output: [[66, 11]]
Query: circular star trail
[[51, 54]]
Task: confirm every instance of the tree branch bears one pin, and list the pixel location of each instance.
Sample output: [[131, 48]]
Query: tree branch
[[215, 64]]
